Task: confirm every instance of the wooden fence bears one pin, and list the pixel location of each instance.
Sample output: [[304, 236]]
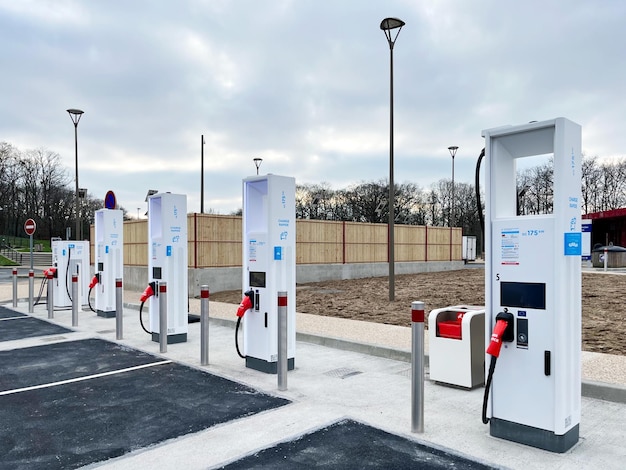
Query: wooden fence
[[215, 241]]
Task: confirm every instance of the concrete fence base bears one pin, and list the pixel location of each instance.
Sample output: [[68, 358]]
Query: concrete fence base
[[222, 279]]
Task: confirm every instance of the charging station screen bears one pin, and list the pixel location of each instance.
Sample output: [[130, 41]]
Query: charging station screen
[[523, 295], [257, 279]]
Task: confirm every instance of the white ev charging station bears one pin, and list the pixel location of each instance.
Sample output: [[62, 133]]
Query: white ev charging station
[[109, 262], [70, 257], [533, 276], [269, 266], [167, 262]]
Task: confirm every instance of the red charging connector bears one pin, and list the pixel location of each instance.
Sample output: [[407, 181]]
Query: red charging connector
[[502, 332], [94, 280], [149, 292], [246, 303], [496, 338], [50, 272]]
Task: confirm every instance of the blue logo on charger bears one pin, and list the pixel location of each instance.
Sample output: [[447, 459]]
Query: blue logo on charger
[[572, 245], [168, 250], [278, 253]]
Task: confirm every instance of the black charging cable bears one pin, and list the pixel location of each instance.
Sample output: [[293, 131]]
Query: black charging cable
[[492, 368]]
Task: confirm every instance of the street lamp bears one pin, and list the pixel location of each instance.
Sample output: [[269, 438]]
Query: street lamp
[[257, 162], [75, 115], [452, 150], [82, 194], [388, 25], [151, 192], [202, 174]]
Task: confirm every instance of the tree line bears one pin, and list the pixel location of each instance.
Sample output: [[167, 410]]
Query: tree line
[[34, 184], [603, 186]]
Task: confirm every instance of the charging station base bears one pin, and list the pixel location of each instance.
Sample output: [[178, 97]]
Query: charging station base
[[171, 339], [106, 314], [534, 437], [267, 367]]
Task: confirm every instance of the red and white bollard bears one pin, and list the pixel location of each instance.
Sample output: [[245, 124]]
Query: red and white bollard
[[417, 367], [31, 290], [282, 341], [163, 317], [119, 309], [50, 281], [14, 287], [204, 325], [75, 300]]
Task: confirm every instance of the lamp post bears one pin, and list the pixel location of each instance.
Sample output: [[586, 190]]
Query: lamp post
[[82, 193], [151, 192], [202, 174], [452, 149], [388, 25], [257, 162], [75, 115]]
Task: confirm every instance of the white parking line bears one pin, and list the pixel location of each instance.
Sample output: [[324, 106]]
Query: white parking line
[[80, 379], [15, 318]]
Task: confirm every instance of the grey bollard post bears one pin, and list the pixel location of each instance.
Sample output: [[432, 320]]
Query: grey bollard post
[[204, 325], [74, 299], [119, 309], [31, 290], [417, 367], [14, 287], [282, 341], [606, 258], [163, 317], [50, 278]]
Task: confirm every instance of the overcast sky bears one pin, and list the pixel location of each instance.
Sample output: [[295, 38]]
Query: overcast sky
[[303, 84]]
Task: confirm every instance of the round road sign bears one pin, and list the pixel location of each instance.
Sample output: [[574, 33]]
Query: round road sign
[[109, 200], [30, 226]]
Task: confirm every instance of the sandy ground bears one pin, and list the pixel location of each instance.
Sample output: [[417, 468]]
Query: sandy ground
[[603, 312]]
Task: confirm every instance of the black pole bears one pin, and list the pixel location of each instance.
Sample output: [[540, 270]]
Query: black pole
[[202, 174], [387, 25], [392, 287], [75, 115], [77, 236]]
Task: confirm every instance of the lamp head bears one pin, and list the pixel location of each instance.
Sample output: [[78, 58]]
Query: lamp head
[[75, 115], [257, 163], [151, 192], [389, 24]]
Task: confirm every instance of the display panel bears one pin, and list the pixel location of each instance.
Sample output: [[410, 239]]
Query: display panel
[[523, 295], [257, 279]]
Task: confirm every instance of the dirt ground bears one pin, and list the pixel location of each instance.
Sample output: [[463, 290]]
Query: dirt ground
[[603, 311]]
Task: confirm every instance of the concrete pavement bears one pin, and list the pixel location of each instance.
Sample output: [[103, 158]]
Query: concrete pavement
[[346, 368]]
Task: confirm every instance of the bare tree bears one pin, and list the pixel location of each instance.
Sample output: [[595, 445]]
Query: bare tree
[[590, 177]]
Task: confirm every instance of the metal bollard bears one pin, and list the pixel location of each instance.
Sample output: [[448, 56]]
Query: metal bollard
[[74, 299], [14, 287], [204, 325], [31, 289], [163, 317], [50, 278], [417, 367], [606, 258], [282, 341], [119, 310]]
